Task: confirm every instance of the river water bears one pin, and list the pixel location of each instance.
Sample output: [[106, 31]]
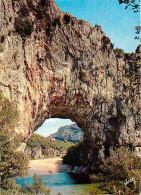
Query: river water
[[61, 182]]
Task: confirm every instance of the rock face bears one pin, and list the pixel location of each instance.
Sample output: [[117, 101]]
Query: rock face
[[34, 153], [40, 153], [54, 65], [71, 133]]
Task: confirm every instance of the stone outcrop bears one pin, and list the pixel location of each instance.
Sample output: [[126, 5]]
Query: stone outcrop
[[54, 65], [43, 153], [34, 153], [71, 133]]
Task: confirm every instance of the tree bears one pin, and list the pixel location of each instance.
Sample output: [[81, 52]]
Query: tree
[[121, 172], [135, 5], [8, 114], [75, 155], [12, 162], [38, 186], [132, 3]]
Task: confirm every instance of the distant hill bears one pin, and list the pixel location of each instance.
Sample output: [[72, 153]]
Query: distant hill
[[71, 133]]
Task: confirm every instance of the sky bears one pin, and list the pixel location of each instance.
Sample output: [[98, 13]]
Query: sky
[[118, 24], [52, 125]]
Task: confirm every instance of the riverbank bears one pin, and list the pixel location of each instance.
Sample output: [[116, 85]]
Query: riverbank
[[46, 166], [57, 179]]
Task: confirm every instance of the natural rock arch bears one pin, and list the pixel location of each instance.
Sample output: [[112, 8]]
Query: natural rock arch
[[63, 67]]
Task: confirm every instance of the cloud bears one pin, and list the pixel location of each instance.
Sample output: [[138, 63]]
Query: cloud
[[50, 120], [58, 121]]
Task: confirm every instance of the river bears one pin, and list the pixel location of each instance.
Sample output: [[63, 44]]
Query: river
[[56, 178]]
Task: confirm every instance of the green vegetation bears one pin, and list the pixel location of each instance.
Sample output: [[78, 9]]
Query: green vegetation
[[13, 162], [30, 5], [67, 18], [2, 38], [24, 27], [47, 145], [59, 144], [15, 191], [8, 114], [57, 21], [119, 52], [135, 6], [131, 3], [39, 141], [1, 48], [106, 44], [13, 2], [40, 13], [24, 11], [38, 186], [83, 75], [75, 154], [118, 174], [92, 189]]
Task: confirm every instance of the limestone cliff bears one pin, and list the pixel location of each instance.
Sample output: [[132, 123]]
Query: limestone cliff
[[54, 65], [71, 133]]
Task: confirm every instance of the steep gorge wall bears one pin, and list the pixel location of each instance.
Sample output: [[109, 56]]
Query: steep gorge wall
[[54, 65]]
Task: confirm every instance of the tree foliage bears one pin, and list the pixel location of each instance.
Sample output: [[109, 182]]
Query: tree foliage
[[121, 172], [38, 186], [135, 6], [75, 155], [12, 162], [24, 26], [8, 114], [39, 141]]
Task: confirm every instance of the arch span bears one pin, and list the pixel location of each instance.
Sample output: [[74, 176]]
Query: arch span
[[65, 68]]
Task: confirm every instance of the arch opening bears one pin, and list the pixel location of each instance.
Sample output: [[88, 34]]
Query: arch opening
[[53, 138], [61, 129]]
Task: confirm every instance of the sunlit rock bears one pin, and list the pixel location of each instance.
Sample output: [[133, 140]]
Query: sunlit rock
[[54, 65]]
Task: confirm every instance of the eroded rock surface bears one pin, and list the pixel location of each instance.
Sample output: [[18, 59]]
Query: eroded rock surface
[[71, 133], [54, 65]]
